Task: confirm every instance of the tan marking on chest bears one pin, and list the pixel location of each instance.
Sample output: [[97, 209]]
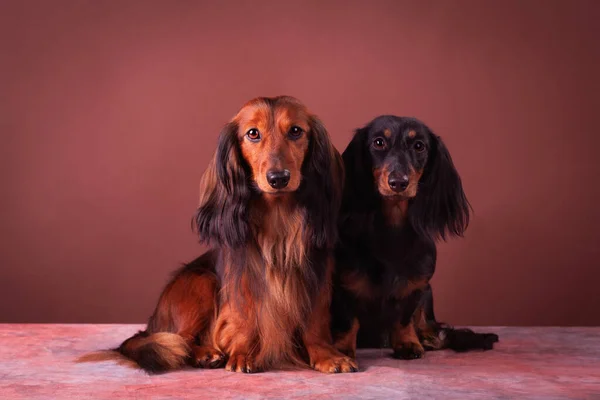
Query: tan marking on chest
[[395, 211], [358, 284]]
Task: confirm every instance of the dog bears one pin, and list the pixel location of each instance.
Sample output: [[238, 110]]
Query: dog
[[260, 297], [402, 193]]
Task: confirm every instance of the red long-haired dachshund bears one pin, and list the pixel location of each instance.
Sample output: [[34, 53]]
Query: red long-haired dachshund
[[259, 299]]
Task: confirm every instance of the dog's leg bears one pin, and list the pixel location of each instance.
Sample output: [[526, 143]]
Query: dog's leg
[[317, 338], [345, 342], [403, 337], [344, 322], [436, 336], [235, 334]]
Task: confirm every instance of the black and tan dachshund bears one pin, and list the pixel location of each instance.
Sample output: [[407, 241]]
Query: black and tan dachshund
[[402, 193]]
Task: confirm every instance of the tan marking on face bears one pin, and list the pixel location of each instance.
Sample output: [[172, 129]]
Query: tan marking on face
[[381, 176], [413, 183], [387, 133], [412, 134], [275, 150]]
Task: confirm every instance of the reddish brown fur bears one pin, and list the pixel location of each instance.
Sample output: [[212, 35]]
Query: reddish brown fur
[[260, 333], [178, 332], [186, 307], [346, 343], [317, 338], [263, 329], [274, 150], [195, 322]]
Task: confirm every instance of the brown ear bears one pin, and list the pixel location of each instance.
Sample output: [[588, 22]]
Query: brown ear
[[321, 189], [221, 217]]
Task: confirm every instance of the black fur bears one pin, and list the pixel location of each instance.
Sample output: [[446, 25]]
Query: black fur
[[320, 192], [441, 206], [385, 257], [223, 219]]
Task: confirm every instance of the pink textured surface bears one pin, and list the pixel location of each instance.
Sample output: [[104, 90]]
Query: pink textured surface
[[37, 361]]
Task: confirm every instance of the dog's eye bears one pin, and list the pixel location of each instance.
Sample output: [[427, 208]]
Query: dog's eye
[[379, 143], [253, 134], [419, 146], [295, 132]]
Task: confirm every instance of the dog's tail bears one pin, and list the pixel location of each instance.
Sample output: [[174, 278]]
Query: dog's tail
[[185, 312], [156, 352], [436, 336]]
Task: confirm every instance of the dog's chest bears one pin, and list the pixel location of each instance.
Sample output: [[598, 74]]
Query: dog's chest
[[280, 239], [282, 261], [398, 258]]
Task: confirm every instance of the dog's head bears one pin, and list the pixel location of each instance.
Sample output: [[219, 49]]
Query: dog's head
[[273, 137], [401, 159], [273, 147]]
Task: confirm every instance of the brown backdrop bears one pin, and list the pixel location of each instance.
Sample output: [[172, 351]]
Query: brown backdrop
[[109, 112]]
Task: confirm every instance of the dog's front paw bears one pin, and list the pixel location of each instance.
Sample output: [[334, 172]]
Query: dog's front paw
[[241, 363], [336, 364], [409, 351], [207, 357]]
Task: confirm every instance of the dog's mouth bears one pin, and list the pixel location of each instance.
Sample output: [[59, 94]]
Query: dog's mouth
[[391, 195], [394, 185], [270, 191], [278, 193]]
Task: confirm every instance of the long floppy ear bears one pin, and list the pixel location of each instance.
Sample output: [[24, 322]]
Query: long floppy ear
[[440, 208], [359, 187], [221, 217], [321, 190]]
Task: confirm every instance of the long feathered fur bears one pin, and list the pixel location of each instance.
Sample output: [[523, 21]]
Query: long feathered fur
[[384, 266], [259, 297], [273, 255]]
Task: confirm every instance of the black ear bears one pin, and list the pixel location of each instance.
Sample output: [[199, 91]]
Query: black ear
[[222, 217], [321, 189], [359, 187], [440, 207]]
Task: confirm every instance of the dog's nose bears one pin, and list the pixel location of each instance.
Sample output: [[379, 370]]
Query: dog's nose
[[398, 183], [278, 179]]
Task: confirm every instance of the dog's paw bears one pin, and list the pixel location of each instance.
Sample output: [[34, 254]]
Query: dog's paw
[[336, 364], [207, 357], [409, 351], [488, 340], [241, 363]]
